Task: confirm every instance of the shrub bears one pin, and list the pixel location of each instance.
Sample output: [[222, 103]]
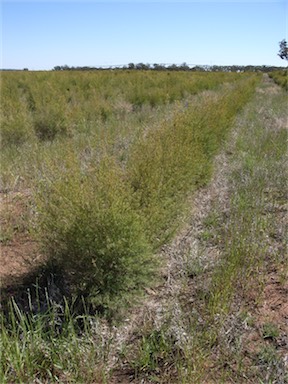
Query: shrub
[[49, 123], [98, 216], [16, 123], [14, 132], [280, 78], [88, 229], [168, 162]]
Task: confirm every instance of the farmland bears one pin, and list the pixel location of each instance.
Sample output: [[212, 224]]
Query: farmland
[[109, 213]]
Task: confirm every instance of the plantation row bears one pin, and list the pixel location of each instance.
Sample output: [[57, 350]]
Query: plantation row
[[48, 104], [280, 78], [109, 191]]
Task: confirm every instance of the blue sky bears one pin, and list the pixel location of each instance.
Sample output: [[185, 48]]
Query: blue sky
[[41, 35]]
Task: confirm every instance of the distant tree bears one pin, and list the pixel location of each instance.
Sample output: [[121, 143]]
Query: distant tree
[[283, 52], [142, 66], [173, 67], [184, 67], [198, 68], [158, 67]]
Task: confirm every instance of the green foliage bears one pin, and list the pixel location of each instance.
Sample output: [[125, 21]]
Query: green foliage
[[154, 350], [14, 131], [45, 348], [270, 331], [52, 103], [280, 78], [49, 123], [110, 191], [169, 161], [259, 166], [283, 51], [101, 210], [16, 124], [89, 230]]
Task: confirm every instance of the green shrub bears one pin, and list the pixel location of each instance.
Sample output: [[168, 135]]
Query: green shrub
[[100, 216], [280, 78], [169, 161], [49, 123], [88, 229], [155, 349], [16, 122], [14, 132], [58, 103]]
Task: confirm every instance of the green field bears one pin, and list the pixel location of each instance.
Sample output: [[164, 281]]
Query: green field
[[98, 171]]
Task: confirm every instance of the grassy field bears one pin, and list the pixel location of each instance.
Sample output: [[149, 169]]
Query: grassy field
[[98, 174]]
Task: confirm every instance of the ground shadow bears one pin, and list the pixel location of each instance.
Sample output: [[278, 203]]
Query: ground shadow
[[45, 291]]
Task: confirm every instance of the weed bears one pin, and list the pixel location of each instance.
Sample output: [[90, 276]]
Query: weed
[[31, 347], [270, 331]]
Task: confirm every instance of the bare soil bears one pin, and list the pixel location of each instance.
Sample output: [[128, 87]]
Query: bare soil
[[19, 252]]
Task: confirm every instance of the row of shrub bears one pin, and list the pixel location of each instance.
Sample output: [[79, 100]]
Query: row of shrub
[[280, 78], [43, 105], [100, 224]]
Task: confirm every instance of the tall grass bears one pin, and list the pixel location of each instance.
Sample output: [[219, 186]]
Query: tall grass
[[99, 211], [45, 348], [98, 214]]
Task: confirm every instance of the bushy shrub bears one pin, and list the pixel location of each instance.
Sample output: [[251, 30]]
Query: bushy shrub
[[280, 78], [48, 123], [15, 131], [89, 230], [168, 162], [65, 102], [15, 121]]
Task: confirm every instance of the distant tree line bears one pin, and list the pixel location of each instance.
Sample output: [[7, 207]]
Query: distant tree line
[[174, 67]]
